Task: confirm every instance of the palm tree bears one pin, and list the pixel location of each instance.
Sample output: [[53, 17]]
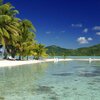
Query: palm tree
[[39, 51], [8, 9], [26, 38], [8, 25]]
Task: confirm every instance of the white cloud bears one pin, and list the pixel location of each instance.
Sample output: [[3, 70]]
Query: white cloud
[[89, 39], [84, 40], [98, 33], [97, 28], [48, 32], [76, 25], [85, 30]]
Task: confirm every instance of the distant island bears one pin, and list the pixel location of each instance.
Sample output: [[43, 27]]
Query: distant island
[[54, 50]]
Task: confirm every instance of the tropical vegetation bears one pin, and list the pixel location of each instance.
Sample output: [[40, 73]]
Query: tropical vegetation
[[85, 51], [18, 35]]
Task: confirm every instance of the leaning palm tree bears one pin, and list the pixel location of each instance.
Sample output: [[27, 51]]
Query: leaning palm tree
[[8, 25], [27, 30]]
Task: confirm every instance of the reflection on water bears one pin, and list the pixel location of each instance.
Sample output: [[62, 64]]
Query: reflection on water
[[71, 80]]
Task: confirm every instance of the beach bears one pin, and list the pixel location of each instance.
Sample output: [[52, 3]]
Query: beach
[[9, 63]]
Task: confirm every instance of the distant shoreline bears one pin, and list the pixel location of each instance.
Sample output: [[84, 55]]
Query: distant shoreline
[[9, 63]]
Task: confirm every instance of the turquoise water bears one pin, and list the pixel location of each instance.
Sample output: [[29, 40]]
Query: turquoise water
[[73, 80], [77, 57]]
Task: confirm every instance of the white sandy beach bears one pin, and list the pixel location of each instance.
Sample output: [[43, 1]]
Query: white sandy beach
[[9, 63]]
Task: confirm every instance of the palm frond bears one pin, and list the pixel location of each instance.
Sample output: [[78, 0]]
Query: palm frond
[[5, 33]]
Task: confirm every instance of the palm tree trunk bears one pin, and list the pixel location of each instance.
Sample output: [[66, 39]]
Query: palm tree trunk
[[5, 53], [27, 57], [19, 57]]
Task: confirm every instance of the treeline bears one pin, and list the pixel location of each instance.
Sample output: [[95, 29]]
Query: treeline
[[18, 35], [86, 51]]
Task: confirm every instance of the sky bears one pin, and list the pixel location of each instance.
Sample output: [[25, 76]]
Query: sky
[[65, 23]]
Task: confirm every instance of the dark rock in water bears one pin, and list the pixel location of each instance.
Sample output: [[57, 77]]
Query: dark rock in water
[[54, 98], [66, 87], [95, 88], [97, 80], [74, 89], [88, 74], [75, 80], [92, 83], [97, 72], [62, 74], [44, 89]]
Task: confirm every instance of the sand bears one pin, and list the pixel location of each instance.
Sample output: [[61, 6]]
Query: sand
[[9, 63]]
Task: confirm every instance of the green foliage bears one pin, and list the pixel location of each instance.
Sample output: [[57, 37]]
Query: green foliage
[[16, 35], [58, 51], [86, 51], [26, 38], [39, 50], [8, 26], [1, 2]]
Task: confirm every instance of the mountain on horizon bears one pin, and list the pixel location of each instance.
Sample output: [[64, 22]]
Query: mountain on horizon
[[54, 50]]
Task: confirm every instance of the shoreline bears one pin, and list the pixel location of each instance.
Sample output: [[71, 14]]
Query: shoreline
[[9, 63]]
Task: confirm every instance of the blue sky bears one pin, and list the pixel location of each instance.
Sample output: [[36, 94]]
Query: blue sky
[[66, 23]]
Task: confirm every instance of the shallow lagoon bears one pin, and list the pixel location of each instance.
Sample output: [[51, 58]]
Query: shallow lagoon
[[72, 80]]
